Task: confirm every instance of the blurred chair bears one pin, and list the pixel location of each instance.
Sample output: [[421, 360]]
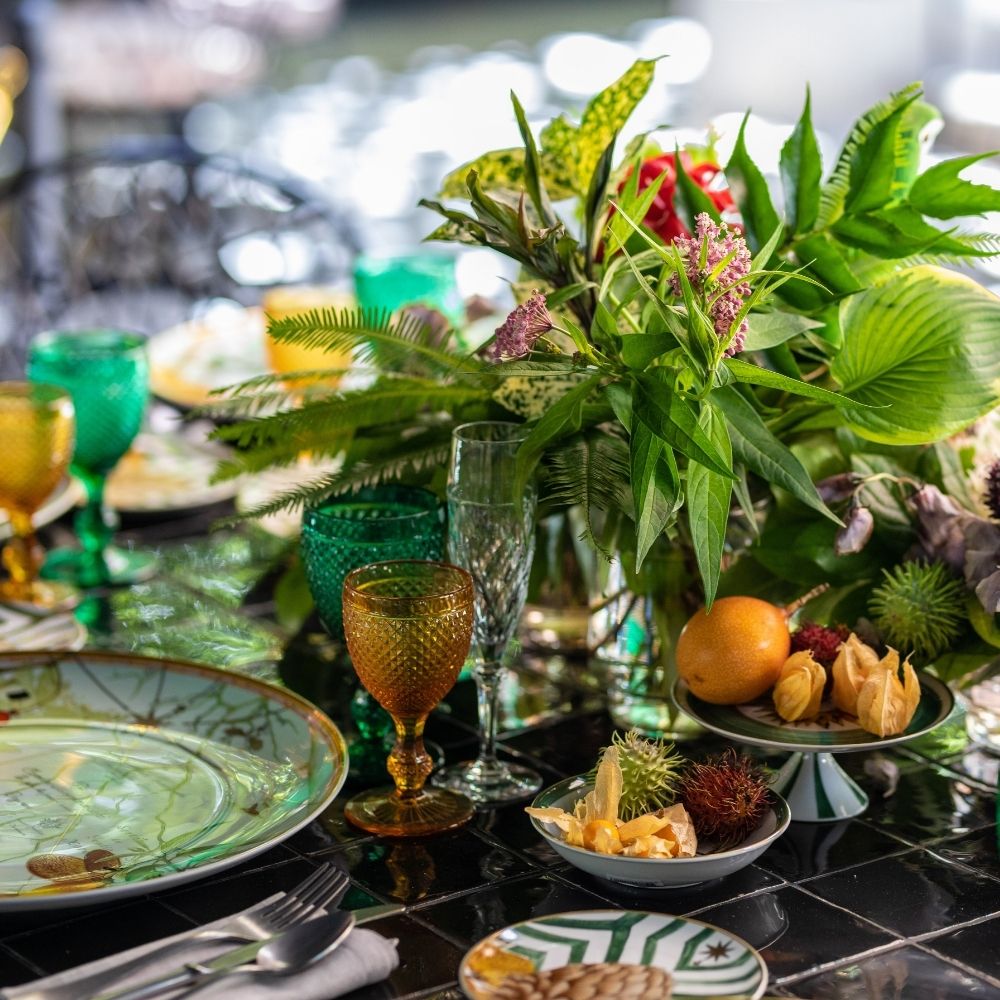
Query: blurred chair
[[139, 238]]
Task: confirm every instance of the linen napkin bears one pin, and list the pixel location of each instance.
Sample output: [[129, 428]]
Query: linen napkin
[[364, 958]]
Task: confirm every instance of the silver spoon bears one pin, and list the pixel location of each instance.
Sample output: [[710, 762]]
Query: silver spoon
[[292, 951]]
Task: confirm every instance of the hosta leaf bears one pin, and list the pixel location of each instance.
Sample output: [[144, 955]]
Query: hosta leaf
[[708, 500], [801, 173], [761, 452], [924, 347], [751, 193], [501, 169], [940, 193], [605, 115]]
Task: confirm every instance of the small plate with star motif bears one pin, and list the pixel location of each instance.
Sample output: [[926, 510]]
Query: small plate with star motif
[[702, 960]]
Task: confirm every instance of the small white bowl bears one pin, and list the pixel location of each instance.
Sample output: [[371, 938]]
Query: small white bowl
[[655, 873]]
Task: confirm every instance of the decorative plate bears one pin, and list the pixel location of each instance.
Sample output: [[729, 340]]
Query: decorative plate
[[656, 873], [121, 774], [759, 724], [704, 961], [23, 631], [66, 496], [168, 472], [187, 362]]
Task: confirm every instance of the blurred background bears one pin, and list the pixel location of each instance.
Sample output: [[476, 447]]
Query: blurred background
[[362, 106]]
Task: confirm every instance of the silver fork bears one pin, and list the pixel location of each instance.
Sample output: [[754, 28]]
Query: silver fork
[[325, 887]]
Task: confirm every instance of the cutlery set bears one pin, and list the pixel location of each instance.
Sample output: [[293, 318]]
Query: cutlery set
[[286, 936]]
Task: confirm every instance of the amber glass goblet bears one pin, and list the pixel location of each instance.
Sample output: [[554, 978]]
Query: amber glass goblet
[[408, 625], [36, 433]]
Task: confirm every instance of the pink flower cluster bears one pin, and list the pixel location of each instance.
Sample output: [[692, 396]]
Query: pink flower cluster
[[718, 242], [517, 336]]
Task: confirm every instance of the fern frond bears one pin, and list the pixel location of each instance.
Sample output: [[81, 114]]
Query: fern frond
[[389, 401], [374, 338], [834, 192], [591, 472], [366, 472]]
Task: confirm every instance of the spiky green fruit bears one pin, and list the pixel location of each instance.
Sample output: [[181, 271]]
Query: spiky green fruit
[[919, 609], [650, 770]]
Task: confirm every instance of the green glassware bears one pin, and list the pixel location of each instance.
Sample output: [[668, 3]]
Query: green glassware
[[374, 524], [386, 283], [107, 374]]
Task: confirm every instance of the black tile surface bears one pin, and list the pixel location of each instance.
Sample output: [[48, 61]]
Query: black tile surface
[[684, 899], [976, 946], [930, 803], [907, 973], [815, 848], [979, 850], [13, 971], [413, 871], [911, 894], [468, 918], [87, 938], [979, 764], [794, 931]]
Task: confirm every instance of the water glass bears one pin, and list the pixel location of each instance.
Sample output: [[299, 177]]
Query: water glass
[[491, 533]]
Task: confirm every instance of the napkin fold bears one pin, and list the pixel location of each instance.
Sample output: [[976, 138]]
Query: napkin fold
[[364, 958]]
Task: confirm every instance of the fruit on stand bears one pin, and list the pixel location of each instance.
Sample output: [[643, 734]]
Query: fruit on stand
[[854, 663], [799, 690], [885, 704], [734, 652]]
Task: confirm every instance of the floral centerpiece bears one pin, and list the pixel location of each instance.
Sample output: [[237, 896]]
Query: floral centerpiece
[[689, 343]]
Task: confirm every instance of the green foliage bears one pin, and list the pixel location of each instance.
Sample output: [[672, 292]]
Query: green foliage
[[637, 414]]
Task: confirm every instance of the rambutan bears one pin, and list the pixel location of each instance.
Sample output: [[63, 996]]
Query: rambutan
[[822, 641], [727, 797], [992, 494]]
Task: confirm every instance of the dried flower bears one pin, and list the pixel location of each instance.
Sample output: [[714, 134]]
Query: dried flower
[[838, 487], [856, 532], [992, 493], [705, 251], [526, 323]]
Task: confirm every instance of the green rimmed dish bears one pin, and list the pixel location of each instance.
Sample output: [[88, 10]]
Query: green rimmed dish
[[122, 774], [703, 960], [656, 873]]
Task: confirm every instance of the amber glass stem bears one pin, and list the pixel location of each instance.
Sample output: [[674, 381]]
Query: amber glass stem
[[21, 555], [409, 763]]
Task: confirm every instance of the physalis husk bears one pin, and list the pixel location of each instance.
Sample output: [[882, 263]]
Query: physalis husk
[[885, 704], [850, 671], [594, 823], [799, 690]]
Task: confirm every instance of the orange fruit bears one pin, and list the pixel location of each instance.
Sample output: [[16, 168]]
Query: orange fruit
[[735, 652]]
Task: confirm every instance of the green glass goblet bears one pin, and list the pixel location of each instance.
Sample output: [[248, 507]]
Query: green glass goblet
[[374, 524], [107, 375]]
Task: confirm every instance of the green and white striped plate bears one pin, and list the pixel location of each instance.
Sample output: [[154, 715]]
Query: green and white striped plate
[[759, 724], [704, 961]]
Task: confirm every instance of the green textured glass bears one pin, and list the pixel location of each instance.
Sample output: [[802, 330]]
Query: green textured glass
[[107, 375], [375, 524], [386, 283]]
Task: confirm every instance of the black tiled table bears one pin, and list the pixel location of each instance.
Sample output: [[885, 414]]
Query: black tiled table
[[903, 902]]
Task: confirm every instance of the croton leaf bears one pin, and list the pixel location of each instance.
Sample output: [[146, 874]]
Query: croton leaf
[[922, 349], [501, 169]]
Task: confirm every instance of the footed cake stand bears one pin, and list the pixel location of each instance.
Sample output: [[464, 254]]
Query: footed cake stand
[[815, 786]]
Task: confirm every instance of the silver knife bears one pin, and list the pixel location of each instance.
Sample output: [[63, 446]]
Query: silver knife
[[197, 974]]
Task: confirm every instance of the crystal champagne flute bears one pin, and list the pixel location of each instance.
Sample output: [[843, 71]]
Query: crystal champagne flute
[[408, 625], [491, 533], [36, 428]]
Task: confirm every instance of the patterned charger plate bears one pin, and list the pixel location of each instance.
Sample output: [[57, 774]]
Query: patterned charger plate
[[703, 961], [759, 724], [121, 774]]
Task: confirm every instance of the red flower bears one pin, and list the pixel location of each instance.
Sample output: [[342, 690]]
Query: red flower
[[661, 217]]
